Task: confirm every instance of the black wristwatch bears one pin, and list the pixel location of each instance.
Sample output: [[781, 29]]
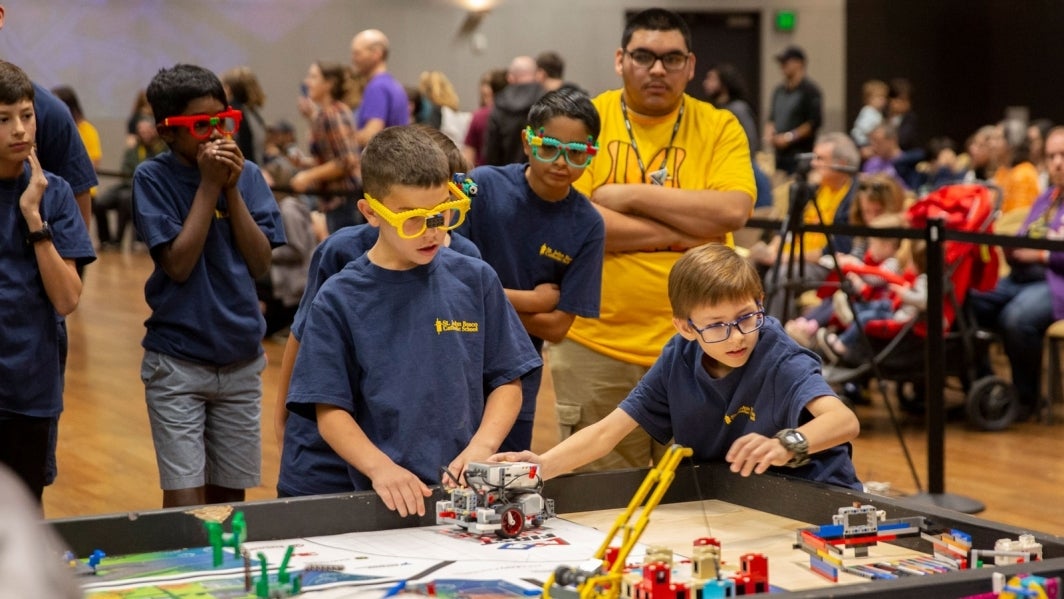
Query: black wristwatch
[[796, 443], [45, 232]]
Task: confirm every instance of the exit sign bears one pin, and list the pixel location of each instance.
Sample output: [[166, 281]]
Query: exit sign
[[786, 20]]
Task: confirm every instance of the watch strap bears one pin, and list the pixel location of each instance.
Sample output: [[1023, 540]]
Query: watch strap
[[34, 237], [796, 443]]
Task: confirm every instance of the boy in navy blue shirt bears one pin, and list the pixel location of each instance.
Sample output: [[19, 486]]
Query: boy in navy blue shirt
[[543, 238], [308, 465], [731, 385], [210, 221], [411, 356], [42, 240]]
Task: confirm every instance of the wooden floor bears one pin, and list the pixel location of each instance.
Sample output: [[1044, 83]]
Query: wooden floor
[[107, 463]]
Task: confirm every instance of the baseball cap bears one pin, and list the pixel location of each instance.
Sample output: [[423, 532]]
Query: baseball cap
[[791, 52]]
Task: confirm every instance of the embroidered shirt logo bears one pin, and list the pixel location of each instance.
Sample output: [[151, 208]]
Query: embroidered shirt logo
[[553, 254], [456, 326], [748, 410]]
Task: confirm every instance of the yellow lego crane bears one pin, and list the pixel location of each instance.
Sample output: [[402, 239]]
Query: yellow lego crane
[[601, 578]]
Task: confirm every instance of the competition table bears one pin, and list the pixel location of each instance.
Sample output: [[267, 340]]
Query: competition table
[[157, 530]]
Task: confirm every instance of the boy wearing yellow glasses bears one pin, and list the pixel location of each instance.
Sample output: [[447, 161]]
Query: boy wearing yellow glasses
[[543, 238], [411, 357]]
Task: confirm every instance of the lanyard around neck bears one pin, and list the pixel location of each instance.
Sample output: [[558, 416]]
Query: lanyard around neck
[[662, 172]]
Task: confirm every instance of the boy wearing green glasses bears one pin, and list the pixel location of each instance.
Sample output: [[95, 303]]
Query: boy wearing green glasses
[[410, 357], [731, 385], [543, 238]]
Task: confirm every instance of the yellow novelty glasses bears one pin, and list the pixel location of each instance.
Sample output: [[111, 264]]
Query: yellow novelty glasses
[[413, 223]]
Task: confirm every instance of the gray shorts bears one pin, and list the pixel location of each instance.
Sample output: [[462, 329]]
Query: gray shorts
[[205, 421]]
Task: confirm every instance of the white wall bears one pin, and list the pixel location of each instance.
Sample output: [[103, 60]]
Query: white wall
[[108, 49]]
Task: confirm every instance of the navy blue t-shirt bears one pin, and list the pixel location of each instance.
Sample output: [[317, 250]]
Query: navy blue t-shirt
[[29, 347], [411, 355], [213, 317], [530, 241], [678, 399], [308, 465]]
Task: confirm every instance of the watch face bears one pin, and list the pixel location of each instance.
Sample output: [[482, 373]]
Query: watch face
[[794, 437]]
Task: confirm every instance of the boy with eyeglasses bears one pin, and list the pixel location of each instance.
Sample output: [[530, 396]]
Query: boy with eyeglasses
[[731, 385], [302, 448], [410, 357], [210, 221], [543, 238]]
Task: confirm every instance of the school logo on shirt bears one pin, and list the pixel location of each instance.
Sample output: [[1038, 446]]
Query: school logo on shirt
[[553, 254], [221, 214], [748, 410], [456, 326]]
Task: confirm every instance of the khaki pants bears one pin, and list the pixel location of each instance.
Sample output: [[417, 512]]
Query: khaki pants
[[588, 386]]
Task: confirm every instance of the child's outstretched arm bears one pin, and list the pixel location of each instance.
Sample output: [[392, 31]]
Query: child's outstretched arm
[[832, 424], [586, 445], [400, 489], [500, 412], [60, 277]]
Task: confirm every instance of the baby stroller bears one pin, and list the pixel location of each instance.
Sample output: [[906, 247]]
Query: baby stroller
[[897, 348]]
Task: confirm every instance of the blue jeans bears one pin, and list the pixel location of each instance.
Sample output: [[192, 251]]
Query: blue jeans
[[1020, 313]]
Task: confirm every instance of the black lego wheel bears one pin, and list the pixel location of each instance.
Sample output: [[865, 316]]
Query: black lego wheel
[[513, 522], [992, 403]]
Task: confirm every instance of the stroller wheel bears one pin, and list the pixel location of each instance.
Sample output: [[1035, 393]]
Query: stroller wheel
[[992, 403]]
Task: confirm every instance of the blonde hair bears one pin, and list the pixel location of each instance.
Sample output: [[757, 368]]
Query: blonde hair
[[873, 87], [435, 86], [710, 274]]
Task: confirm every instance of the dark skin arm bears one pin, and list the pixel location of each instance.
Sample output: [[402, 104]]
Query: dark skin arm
[[220, 164]]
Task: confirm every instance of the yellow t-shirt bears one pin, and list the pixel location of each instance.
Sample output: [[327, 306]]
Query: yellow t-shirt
[[828, 201], [91, 138], [710, 152]]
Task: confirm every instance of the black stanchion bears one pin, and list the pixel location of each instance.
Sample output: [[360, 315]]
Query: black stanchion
[[936, 381]]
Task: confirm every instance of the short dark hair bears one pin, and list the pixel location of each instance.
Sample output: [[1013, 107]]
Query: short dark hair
[[656, 19], [567, 102], [67, 95], [402, 156], [15, 85], [171, 90], [456, 162], [551, 63]]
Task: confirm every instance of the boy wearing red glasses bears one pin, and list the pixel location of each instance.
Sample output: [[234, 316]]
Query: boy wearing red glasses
[[410, 358], [210, 221]]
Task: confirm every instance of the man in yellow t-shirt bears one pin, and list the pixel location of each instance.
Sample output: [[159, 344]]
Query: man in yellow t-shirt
[[672, 173]]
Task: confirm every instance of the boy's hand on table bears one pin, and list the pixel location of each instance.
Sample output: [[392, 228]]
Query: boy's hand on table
[[754, 453], [401, 490]]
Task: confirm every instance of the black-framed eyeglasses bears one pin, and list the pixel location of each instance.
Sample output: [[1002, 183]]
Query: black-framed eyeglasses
[[672, 61], [715, 333]]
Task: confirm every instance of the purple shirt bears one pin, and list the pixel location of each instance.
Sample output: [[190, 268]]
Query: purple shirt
[[1046, 221], [383, 99]]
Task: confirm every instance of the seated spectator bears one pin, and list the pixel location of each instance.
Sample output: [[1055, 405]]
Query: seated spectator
[[120, 197], [888, 157], [1023, 305], [834, 165], [281, 289], [1012, 172]]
